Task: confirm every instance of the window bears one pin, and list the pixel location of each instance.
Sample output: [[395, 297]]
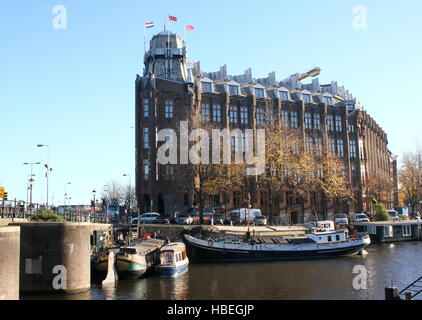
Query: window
[[371, 229], [146, 138], [205, 112], [309, 145], [169, 109], [331, 146], [318, 146], [330, 122], [284, 95], [169, 169], [244, 116], [354, 174], [407, 231], [340, 151], [338, 123], [233, 114], [216, 113], [307, 98], [146, 169], [244, 144], [351, 128], [146, 108], [308, 120], [293, 120], [353, 150], [259, 93], [259, 116], [234, 144], [206, 86], [388, 232], [234, 90], [337, 237], [284, 117], [327, 100], [236, 198], [317, 121], [329, 239], [264, 198]]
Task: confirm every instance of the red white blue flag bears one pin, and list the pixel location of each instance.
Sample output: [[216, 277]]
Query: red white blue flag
[[171, 18], [149, 25]]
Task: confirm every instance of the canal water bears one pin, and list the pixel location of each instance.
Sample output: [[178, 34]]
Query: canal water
[[315, 279]]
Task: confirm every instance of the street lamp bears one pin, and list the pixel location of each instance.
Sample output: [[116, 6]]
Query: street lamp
[[129, 193], [65, 195], [31, 182], [93, 203], [47, 165]]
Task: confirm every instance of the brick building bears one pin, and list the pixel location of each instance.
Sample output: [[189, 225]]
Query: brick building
[[170, 90]]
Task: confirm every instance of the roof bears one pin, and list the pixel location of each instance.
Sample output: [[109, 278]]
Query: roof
[[174, 246], [388, 223]]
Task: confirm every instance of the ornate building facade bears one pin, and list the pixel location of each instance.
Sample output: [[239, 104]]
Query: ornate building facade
[[170, 91]]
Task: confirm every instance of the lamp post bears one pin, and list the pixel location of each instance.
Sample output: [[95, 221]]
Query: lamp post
[[31, 182], [47, 165], [93, 203], [129, 193], [65, 195]]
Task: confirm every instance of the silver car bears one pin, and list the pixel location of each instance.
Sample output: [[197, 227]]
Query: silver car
[[341, 219]]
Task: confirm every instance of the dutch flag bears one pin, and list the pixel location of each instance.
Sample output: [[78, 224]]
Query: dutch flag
[[149, 25]]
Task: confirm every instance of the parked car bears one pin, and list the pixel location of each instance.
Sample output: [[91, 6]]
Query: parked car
[[195, 213], [360, 217], [341, 219], [260, 221], [240, 216], [150, 217], [393, 214], [184, 219]]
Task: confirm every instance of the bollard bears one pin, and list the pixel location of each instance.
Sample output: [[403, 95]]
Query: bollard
[[408, 295], [392, 293]]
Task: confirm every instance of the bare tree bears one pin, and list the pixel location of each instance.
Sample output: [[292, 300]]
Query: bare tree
[[114, 192]]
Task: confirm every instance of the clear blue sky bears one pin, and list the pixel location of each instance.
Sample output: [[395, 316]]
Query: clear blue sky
[[74, 89]]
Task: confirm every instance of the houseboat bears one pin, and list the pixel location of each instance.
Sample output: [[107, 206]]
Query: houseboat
[[173, 260], [322, 241], [135, 259], [391, 231]]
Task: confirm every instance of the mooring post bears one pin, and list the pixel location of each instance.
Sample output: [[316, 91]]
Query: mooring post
[[392, 293], [111, 272]]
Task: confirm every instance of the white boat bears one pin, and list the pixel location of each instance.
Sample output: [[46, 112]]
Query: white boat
[[173, 260], [323, 241]]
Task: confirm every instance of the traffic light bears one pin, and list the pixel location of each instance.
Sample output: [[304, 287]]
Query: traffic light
[[5, 196], [1, 192]]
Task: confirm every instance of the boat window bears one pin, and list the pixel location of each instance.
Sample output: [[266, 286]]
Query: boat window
[[329, 238], [337, 237]]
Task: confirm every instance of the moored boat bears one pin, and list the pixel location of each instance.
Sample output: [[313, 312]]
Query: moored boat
[[173, 260], [323, 241], [135, 259]]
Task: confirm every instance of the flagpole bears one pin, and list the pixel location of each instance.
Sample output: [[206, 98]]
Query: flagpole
[[145, 39]]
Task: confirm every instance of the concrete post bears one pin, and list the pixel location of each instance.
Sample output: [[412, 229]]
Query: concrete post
[[9, 263], [392, 294], [55, 257]]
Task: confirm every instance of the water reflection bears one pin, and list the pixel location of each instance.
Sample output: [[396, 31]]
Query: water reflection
[[318, 279]]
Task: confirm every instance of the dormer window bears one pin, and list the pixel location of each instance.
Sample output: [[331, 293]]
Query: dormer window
[[327, 100], [306, 98], [284, 95], [233, 90], [206, 86], [259, 93]]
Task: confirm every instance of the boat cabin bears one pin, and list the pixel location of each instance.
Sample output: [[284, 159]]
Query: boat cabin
[[173, 254], [327, 237]]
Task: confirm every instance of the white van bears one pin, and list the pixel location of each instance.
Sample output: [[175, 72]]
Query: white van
[[241, 215]]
